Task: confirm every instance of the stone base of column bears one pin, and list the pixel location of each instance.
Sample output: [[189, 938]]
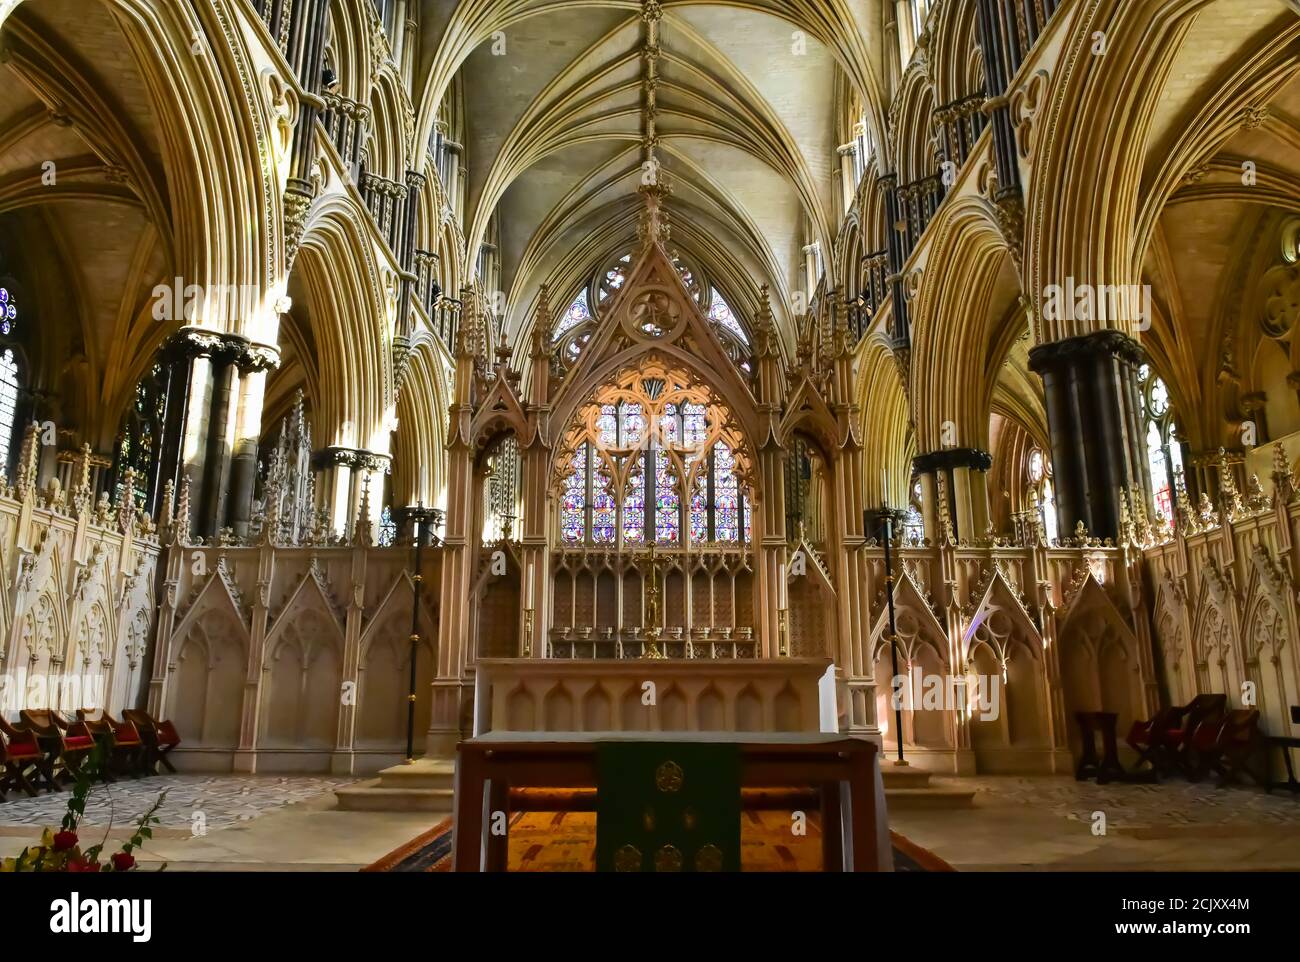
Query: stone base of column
[[451, 719]]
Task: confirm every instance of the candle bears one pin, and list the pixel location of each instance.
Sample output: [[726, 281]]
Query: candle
[[780, 587], [529, 589]]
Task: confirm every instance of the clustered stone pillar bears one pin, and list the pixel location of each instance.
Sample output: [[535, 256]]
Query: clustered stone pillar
[[1000, 45], [768, 495], [964, 472], [342, 476], [1095, 420], [215, 386], [460, 548]]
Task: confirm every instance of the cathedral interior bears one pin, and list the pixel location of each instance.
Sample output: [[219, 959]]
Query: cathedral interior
[[924, 373]]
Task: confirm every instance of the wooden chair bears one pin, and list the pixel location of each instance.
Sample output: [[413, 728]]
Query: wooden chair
[[1184, 722], [1284, 744], [1227, 746], [21, 757], [66, 744], [1106, 766], [1147, 738], [159, 738], [124, 748]]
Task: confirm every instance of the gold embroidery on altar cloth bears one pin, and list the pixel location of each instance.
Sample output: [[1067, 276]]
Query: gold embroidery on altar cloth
[[668, 859], [669, 777], [708, 859], [627, 859]]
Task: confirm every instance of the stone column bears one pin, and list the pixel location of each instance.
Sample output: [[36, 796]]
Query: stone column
[[341, 478], [254, 367], [964, 471], [1000, 45], [1095, 422], [199, 426], [220, 436], [897, 256]]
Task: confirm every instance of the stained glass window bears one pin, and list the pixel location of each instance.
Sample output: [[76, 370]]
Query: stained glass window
[[1164, 501], [607, 426], [8, 312], [604, 509], [1049, 512], [634, 506], [668, 503], [578, 313], [700, 508], [614, 277], [1041, 493], [573, 510], [726, 495], [669, 426], [633, 426], [1164, 450], [659, 449], [695, 426], [8, 403], [720, 313]]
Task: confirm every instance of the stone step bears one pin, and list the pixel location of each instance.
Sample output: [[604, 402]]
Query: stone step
[[905, 776], [420, 774], [934, 797], [371, 797], [425, 785]]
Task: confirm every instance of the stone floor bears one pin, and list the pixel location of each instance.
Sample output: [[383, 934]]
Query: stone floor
[[273, 822], [1050, 823]]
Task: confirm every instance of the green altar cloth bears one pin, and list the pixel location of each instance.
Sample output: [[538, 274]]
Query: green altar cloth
[[667, 807]]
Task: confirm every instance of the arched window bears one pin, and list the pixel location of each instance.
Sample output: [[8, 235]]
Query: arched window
[[1164, 450], [11, 378], [10, 385], [651, 464], [139, 441], [8, 312], [1042, 494], [913, 519]]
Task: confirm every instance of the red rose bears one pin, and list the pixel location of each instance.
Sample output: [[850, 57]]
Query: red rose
[[64, 841], [123, 861], [81, 864]]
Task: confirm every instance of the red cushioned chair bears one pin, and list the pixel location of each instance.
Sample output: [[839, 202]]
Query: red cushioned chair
[[1184, 723], [21, 757], [66, 743], [159, 738], [1227, 746], [121, 738], [1147, 738]]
